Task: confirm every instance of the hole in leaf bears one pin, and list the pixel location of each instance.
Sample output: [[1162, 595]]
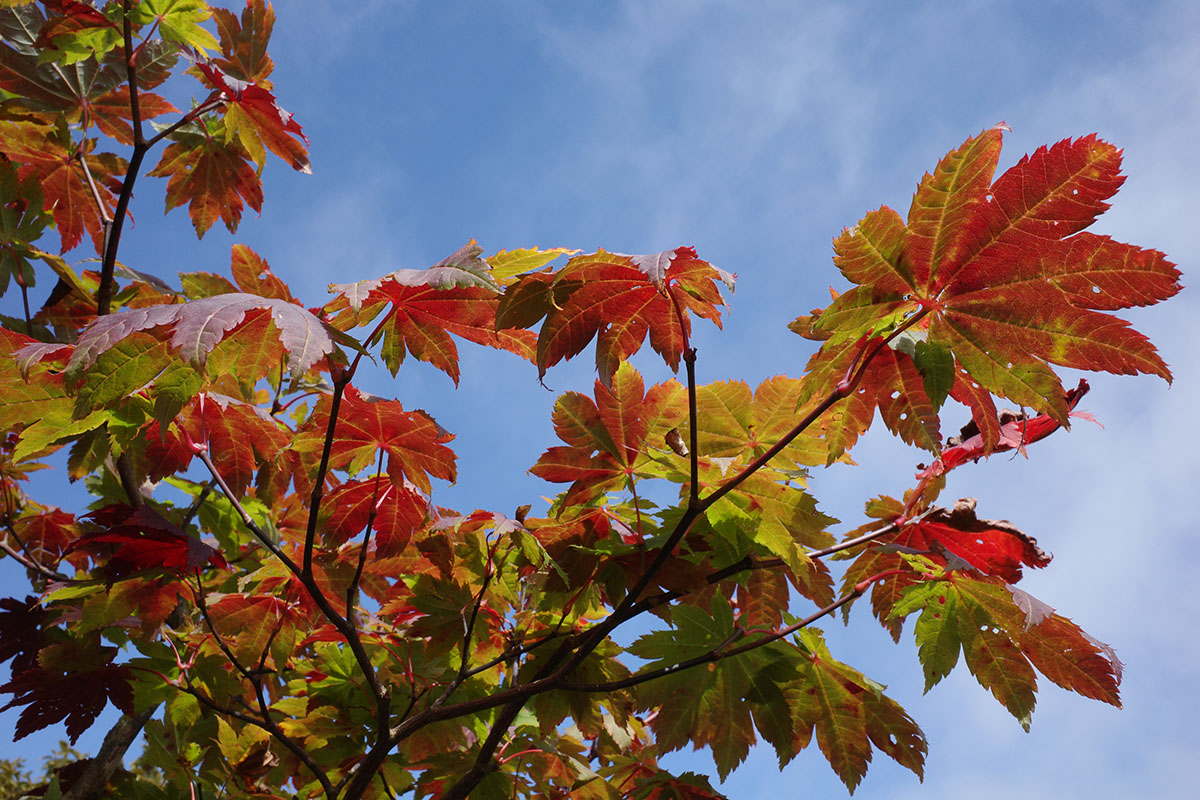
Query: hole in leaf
[[894, 395], [988, 197], [1074, 191], [1095, 290], [903, 416]]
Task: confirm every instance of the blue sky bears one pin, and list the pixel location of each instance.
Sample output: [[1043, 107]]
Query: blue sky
[[756, 132]]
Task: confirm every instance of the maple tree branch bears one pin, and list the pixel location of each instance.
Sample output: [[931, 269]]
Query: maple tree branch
[[345, 627], [19, 279], [135, 111], [879, 345], [520, 650], [318, 490], [113, 239], [202, 604], [104, 292], [194, 508], [723, 650], [189, 117], [30, 563], [90, 785], [247, 520], [849, 544]]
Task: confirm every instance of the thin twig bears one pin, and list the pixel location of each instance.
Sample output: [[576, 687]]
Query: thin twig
[[352, 591], [318, 491], [29, 563], [210, 104]]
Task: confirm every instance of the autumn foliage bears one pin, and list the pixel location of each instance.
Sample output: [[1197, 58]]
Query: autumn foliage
[[265, 579]]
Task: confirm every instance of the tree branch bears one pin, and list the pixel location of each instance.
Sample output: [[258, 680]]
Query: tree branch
[[318, 491]]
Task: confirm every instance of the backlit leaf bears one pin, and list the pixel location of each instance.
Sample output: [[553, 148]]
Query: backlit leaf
[[1009, 282]]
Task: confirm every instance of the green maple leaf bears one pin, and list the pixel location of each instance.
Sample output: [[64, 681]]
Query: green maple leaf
[[177, 21]]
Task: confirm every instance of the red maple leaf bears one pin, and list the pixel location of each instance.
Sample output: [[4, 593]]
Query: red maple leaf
[[21, 632], [618, 300], [606, 438], [414, 443], [1013, 434], [244, 42], [457, 295], [395, 513], [73, 681], [133, 540], [994, 547], [211, 176], [1005, 277], [253, 114], [50, 156]]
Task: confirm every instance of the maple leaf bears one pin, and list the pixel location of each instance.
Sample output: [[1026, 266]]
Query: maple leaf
[[1013, 434], [22, 220], [254, 276], [49, 154], [77, 697], [848, 713], [707, 707], [212, 176], [200, 325], [112, 113], [252, 622], [414, 443], [46, 534], [244, 42], [177, 21], [21, 625], [457, 295], [257, 121], [36, 401], [133, 540], [618, 300], [955, 539], [999, 640], [395, 514], [893, 384], [607, 438], [1061, 651], [733, 423], [239, 436], [990, 546], [1007, 280], [77, 31]]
